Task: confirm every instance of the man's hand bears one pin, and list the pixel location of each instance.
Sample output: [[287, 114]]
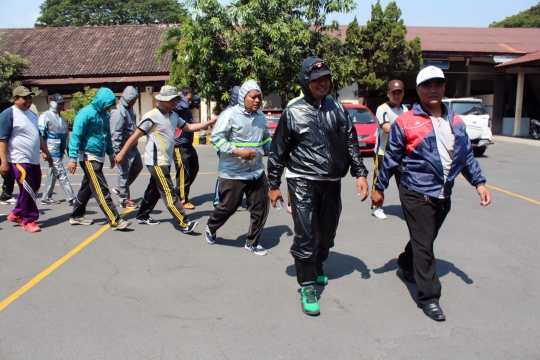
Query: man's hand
[[485, 195], [4, 169], [47, 157], [362, 188], [274, 196], [212, 121], [247, 154], [72, 167], [112, 158], [120, 158], [377, 196]]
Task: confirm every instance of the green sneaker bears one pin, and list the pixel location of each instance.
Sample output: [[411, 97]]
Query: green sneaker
[[309, 302], [322, 279]]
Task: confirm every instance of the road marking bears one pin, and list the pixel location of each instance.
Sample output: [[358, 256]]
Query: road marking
[[55, 266], [509, 193], [143, 173]]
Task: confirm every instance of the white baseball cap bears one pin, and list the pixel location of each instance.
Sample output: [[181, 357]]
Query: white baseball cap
[[428, 73]]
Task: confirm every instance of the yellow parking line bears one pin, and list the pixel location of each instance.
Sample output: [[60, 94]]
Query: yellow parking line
[[510, 193], [55, 266]]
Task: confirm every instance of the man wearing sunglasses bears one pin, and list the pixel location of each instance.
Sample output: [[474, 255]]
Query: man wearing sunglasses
[[315, 143], [431, 144], [387, 114]]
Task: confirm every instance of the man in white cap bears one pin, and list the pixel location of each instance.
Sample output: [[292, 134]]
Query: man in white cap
[[159, 126], [387, 114], [432, 145]]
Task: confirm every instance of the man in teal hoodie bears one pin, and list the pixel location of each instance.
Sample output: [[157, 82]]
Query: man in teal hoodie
[[90, 141]]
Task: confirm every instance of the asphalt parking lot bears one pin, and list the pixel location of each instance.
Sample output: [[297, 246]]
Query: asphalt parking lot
[[76, 292]]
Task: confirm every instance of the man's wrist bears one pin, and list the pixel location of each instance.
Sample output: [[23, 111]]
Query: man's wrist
[[73, 160]]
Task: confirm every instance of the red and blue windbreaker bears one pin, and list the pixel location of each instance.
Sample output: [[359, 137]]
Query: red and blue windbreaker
[[412, 142]]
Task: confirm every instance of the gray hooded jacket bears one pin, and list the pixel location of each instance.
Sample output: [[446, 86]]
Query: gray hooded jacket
[[240, 128], [123, 119]]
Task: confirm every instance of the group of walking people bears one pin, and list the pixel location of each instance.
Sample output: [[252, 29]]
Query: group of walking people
[[315, 145]]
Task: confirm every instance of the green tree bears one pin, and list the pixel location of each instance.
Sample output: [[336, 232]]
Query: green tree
[[380, 50], [109, 12], [526, 19], [11, 68], [265, 40], [78, 101]]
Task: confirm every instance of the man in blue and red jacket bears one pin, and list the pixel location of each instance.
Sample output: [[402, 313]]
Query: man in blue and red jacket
[[431, 143]]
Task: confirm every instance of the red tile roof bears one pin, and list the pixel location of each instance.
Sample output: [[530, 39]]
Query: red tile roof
[[87, 51], [529, 58], [489, 41], [129, 50]]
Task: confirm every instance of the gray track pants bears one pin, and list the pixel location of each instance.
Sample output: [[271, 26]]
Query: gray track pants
[[128, 172], [55, 172]]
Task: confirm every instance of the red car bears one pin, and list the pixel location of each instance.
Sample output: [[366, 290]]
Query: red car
[[363, 119], [366, 126], [272, 116]]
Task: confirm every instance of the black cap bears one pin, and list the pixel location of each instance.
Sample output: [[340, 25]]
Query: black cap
[[57, 98]]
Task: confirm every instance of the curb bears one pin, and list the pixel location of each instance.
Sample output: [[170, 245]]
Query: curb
[[516, 140]]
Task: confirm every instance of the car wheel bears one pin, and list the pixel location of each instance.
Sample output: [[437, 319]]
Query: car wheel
[[536, 134], [479, 151]]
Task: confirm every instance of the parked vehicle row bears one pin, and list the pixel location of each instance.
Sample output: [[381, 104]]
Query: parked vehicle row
[[471, 110]]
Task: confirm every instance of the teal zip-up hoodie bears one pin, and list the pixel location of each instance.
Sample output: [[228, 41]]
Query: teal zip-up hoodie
[[91, 129]]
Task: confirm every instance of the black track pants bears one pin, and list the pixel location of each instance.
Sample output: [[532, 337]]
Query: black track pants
[[186, 161], [94, 183], [424, 216], [316, 208], [231, 192], [161, 185]]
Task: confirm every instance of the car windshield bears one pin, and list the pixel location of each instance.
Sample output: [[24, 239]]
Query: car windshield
[[468, 108], [361, 116]]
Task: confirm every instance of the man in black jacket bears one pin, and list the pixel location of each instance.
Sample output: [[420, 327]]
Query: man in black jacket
[[316, 142]]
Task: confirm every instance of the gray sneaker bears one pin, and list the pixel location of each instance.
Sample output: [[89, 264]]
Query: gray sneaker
[[81, 220], [48, 201], [257, 250], [121, 225]]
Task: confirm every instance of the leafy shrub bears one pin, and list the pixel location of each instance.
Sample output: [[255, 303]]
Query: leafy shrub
[[79, 100]]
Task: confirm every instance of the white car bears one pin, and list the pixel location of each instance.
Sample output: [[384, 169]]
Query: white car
[[476, 118]]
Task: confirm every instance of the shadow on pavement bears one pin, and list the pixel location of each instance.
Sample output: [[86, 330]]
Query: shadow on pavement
[[336, 266], [64, 218], [270, 237], [394, 210], [201, 199], [443, 268]]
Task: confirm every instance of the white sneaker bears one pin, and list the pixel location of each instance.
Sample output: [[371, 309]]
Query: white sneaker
[[10, 201], [379, 213]]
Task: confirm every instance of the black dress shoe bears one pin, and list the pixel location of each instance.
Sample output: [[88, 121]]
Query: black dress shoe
[[433, 311]]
